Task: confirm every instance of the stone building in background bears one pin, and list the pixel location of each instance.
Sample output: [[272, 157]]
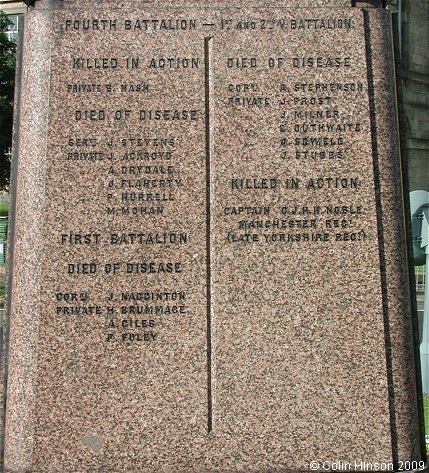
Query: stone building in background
[[13, 10], [414, 53]]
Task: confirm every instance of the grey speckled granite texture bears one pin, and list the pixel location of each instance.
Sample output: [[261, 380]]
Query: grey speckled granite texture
[[210, 270]]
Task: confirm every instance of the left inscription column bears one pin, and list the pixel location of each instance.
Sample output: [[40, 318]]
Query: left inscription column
[[121, 282]]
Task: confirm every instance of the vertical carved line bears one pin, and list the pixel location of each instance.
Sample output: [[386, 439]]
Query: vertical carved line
[[207, 59], [376, 166]]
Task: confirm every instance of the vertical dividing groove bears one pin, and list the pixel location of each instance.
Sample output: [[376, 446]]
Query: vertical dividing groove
[[208, 236], [387, 338], [395, 39]]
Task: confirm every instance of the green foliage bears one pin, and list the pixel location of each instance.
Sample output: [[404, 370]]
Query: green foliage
[[426, 413], [2, 292], [7, 85], [4, 209]]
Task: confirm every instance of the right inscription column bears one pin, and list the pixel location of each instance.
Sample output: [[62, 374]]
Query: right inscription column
[[297, 309]]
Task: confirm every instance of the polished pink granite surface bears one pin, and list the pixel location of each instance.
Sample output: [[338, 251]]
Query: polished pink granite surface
[[210, 271]]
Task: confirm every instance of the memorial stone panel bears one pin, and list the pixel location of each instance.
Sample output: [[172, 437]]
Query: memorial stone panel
[[202, 231]]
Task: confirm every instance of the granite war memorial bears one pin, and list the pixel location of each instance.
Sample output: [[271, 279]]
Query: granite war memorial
[[209, 265]]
